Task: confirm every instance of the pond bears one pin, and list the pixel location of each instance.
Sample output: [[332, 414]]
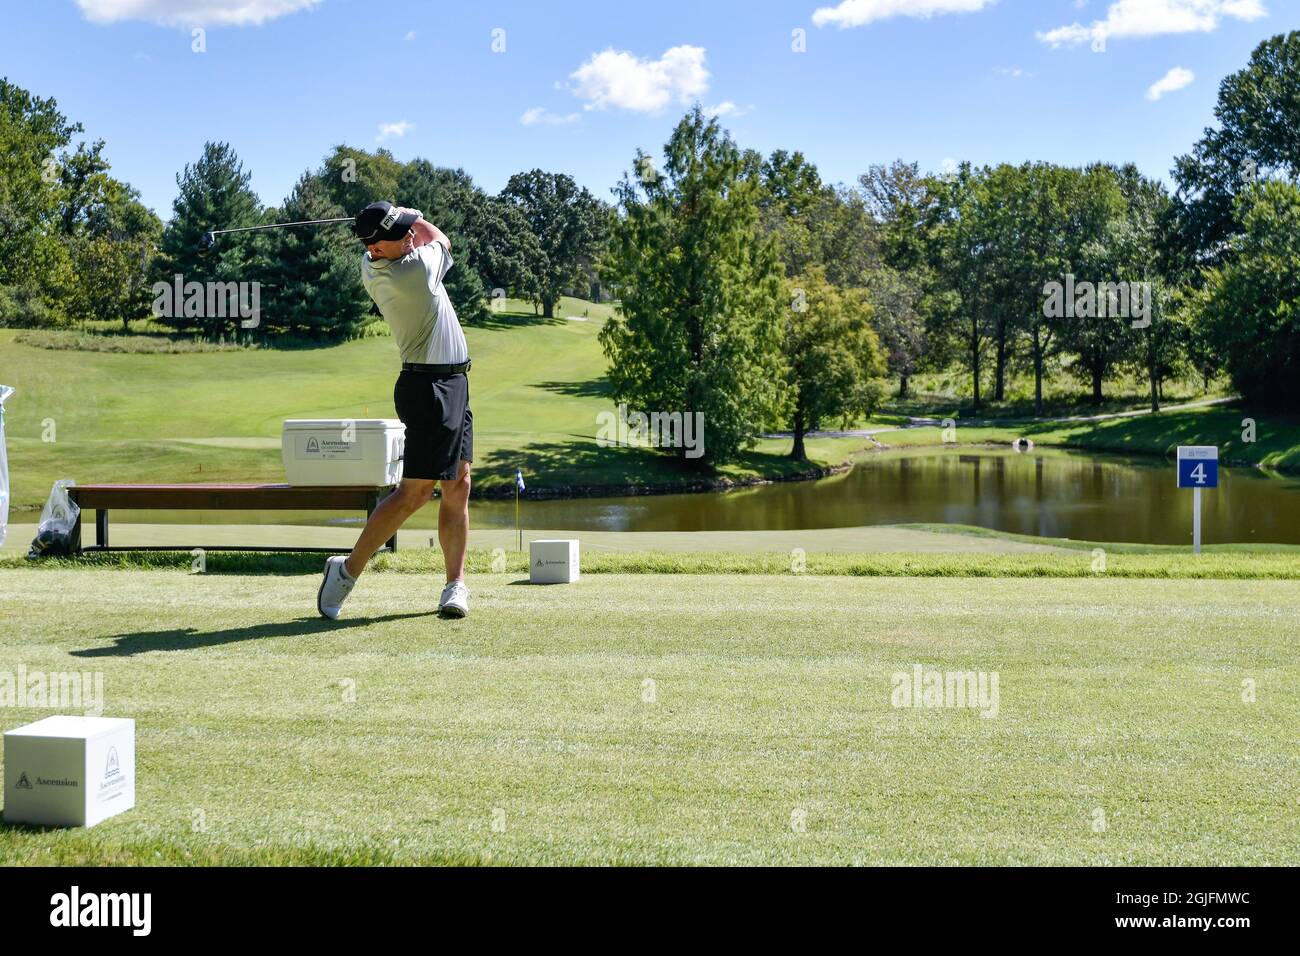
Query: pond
[[1053, 493]]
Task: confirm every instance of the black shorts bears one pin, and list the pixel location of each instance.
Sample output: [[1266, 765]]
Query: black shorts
[[439, 424]]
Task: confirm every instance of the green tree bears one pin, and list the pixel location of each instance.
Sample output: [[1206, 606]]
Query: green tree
[[356, 178], [214, 193], [954, 228], [791, 195], [568, 222], [311, 277], [814, 223], [1258, 136], [509, 257], [113, 245], [1250, 306], [835, 361], [700, 323], [896, 316], [1113, 248], [34, 260], [449, 199]]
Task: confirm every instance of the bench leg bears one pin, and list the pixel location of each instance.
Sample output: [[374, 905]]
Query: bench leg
[[101, 527], [74, 539], [372, 502]]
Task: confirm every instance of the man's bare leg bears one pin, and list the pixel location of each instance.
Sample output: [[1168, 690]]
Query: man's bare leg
[[410, 496], [453, 523]]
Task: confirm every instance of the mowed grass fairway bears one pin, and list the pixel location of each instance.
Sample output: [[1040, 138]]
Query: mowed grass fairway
[[536, 388], [267, 735]]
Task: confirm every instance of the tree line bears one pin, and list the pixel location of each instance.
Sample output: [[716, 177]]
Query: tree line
[[752, 290], [77, 245]]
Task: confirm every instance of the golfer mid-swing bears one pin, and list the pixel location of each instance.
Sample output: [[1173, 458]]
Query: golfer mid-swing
[[402, 269]]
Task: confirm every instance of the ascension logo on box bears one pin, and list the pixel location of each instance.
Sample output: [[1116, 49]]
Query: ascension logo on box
[[114, 784], [542, 564], [317, 447], [25, 784]]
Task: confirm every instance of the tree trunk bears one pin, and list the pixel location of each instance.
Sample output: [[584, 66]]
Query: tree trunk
[[1038, 374], [975, 360], [548, 309], [1000, 369], [902, 386], [1096, 385], [797, 452], [1153, 370]]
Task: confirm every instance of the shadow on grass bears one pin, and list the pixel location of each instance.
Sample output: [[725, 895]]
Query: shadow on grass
[[503, 321], [592, 388], [190, 638], [252, 562]]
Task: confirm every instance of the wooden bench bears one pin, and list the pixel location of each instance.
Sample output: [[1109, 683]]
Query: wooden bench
[[220, 497]]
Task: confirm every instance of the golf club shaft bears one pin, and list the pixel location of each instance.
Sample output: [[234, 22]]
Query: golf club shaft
[[281, 225]]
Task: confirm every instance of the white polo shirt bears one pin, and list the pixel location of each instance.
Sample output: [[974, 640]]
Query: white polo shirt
[[410, 295]]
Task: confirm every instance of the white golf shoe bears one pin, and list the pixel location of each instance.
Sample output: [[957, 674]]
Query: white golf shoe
[[455, 599], [334, 588]]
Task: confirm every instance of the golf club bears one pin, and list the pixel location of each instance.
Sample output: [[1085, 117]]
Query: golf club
[[210, 238]]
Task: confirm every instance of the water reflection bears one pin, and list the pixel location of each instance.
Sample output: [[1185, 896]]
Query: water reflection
[[1052, 493]]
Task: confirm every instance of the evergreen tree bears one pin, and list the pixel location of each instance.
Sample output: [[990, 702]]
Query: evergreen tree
[[700, 324], [311, 276], [214, 193]]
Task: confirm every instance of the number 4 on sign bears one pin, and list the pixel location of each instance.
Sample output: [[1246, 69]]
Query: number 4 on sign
[[1198, 467]]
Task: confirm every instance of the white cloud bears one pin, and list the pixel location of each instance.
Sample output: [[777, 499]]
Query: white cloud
[[1127, 19], [539, 114], [727, 108], [857, 13], [1172, 81], [616, 78], [398, 129], [192, 13], [410, 35]]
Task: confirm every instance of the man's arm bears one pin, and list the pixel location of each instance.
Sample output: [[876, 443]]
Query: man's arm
[[424, 233]]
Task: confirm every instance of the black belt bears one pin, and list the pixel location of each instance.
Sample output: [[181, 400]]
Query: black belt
[[436, 369]]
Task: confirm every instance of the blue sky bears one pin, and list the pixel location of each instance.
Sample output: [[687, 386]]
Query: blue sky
[[925, 80]]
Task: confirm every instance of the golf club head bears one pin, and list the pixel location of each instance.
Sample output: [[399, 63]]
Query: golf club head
[[207, 242]]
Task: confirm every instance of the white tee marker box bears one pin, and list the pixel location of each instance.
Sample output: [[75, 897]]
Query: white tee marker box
[[553, 561], [69, 771]]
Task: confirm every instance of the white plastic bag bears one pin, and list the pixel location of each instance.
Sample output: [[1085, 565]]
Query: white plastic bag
[[5, 392], [58, 518]]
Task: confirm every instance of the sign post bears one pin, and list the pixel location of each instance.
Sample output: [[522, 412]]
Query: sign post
[[1198, 467]]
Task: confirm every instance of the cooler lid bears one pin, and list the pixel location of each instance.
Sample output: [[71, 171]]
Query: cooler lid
[[65, 726], [319, 424]]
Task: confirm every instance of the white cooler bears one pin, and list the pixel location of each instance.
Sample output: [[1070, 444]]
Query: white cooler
[[343, 451]]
